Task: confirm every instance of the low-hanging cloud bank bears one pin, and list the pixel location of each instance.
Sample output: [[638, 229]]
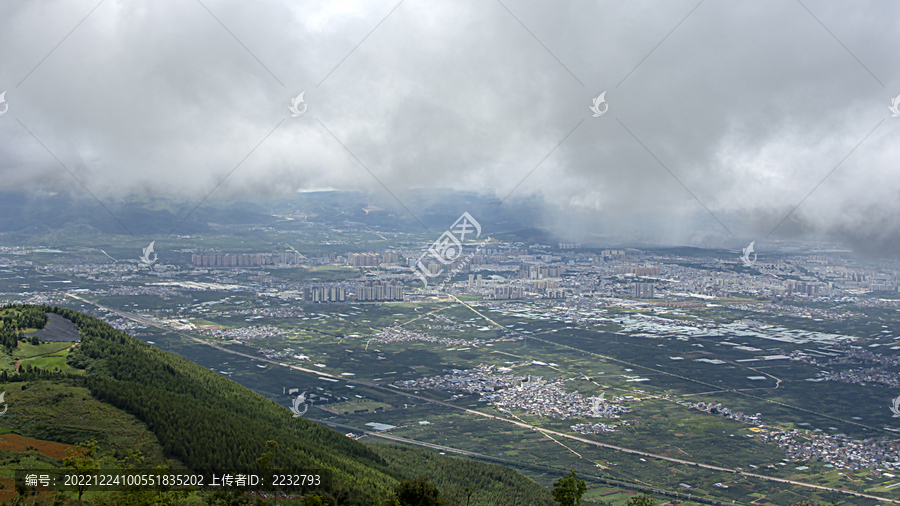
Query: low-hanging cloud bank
[[737, 115]]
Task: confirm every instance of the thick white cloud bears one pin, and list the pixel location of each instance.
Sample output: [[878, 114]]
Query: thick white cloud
[[749, 105]]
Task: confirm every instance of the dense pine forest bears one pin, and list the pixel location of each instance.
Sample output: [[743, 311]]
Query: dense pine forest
[[205, 421]]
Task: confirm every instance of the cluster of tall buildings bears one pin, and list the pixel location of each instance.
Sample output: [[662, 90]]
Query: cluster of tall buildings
[[217, 259], [372, 259], [363, 259], [854, 276], [793, 286], [326, 258], [324, 294], [379, 291], [507, 292], [433, 267], [371, 291], [543, 284], [640, 271], [539, 271]]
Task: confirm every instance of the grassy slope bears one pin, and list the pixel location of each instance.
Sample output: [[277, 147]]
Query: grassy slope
[[57, 410]]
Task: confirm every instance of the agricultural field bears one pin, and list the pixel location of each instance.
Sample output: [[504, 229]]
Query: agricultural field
[[702, 384], [350, 370]]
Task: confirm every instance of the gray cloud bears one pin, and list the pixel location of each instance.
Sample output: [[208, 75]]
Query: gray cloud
[[749, 105]]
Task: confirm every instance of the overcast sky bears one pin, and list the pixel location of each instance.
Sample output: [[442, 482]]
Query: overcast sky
[[750, 105]]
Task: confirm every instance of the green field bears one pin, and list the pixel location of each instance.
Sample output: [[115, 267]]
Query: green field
[[660, 426]]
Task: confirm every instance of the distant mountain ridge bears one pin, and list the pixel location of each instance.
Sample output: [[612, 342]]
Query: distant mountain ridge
[[42, 215]]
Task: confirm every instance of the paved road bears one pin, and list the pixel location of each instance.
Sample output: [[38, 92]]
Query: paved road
[[399, 439], [495, 417]]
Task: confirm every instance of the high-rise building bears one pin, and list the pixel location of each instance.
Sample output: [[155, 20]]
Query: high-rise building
[[507, 292], [642, 291], [324, 294], [640, 271], [287, 258], [377, 291], [478, 281], [233, 260], [363, 259], [540, 271], [543, 284], [812, 288], [471, 281]]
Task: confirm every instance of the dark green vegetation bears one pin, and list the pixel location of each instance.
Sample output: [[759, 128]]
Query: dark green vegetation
[[456, 478], [201, 420], [15, 320], [660, 426], [568, 490], [207, 421]]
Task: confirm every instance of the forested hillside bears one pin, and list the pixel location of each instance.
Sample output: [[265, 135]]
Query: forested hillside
[[489, 483], [206, 421], [13, 322]]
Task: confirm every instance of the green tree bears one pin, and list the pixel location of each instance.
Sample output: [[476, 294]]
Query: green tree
[[834, 498], [567, 491], [319, 500], [136, 457], [641, 500], [417, 492], [468, 491], [82, 460], [266, 461], [225, 498]]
